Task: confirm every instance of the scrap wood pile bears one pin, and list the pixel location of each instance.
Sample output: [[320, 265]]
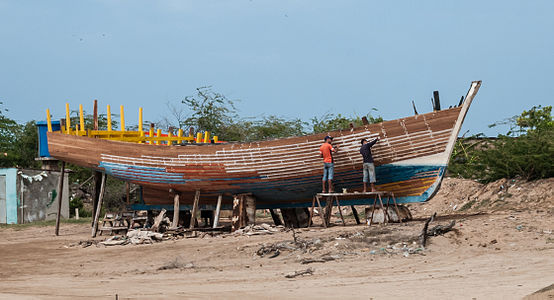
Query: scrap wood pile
[[259, 229], [435, 231], [372, 241]]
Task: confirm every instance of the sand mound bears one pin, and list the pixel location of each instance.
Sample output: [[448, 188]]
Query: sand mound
[[468, 196]]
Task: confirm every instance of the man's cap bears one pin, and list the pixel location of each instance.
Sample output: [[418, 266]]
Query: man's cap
[[362, 141], [328, 137]]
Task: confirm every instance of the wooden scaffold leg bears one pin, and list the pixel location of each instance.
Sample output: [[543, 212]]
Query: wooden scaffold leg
[[396, 208], [355, 213], [340, 210]]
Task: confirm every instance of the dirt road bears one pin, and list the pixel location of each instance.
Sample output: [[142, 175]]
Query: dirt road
[[490, 256]]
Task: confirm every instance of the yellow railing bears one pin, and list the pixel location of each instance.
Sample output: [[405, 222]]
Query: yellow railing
[[154, 137]]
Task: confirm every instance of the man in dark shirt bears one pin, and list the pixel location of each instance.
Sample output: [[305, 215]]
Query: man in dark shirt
[[369, 167]]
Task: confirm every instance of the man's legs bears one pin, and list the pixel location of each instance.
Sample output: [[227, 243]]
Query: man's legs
[[325, 176], [331, 171], [366, 176], [372, 177]]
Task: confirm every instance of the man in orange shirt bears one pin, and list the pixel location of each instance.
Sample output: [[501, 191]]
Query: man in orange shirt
[[326, 150]]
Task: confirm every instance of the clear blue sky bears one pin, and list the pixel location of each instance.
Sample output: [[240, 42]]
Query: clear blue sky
[[290, 58]]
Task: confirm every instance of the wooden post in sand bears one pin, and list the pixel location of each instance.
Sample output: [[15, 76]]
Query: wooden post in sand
[[99, 205], [217, 211], [176, 203], [193, 221], [60, 198]]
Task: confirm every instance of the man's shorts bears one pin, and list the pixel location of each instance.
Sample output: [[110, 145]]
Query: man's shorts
[[369, 172], [328, 170]]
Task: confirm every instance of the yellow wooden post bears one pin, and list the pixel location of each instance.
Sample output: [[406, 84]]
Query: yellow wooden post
[[206, 137], [158, 134], [122, 125], [169, 141], [141, 133], [216, 139], [151, 133], [67, 119], [180, 134], [81, 117], [199, 137], [76, 129], [140, 122], [48, 120], [109, 116]]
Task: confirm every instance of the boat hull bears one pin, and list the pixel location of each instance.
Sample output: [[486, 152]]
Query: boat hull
[[410, 157]]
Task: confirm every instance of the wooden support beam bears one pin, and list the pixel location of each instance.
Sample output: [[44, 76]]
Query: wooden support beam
[[193, 221], [235, 220], [96, 193], [249, 209], [176, 203], [276, 219], [99, 205], [217, 211], [60, 198], [242, 212]]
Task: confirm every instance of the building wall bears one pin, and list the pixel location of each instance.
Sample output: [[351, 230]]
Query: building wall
[[31, 195], [39, 195]]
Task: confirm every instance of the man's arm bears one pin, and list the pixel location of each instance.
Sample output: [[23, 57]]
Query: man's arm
[[372, 142]]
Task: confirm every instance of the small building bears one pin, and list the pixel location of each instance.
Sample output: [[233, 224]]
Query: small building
[[31, 195]]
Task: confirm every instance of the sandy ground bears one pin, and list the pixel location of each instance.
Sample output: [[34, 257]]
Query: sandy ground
[[499, 254]]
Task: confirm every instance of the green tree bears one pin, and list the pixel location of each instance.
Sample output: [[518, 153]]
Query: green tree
[[527, 150], [18, 143], [330, 122], [209, 111]]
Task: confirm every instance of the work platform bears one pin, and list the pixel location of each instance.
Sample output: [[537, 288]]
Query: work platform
[[333, 198]]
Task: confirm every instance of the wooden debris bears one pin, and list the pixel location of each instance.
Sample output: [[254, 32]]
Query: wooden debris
[[423, 235], [259, 229], [441, 229], [323, 259], [158, 220], [437, 230], [308, 271]]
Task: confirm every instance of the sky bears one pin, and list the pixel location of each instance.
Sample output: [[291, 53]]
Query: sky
[[296, 59]]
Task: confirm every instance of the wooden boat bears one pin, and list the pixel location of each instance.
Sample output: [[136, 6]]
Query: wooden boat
[[411, 158]]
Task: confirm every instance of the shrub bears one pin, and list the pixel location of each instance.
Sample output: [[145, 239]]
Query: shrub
[[526, 150]]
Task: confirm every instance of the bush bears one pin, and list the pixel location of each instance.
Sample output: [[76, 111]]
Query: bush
[[526, 150]]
